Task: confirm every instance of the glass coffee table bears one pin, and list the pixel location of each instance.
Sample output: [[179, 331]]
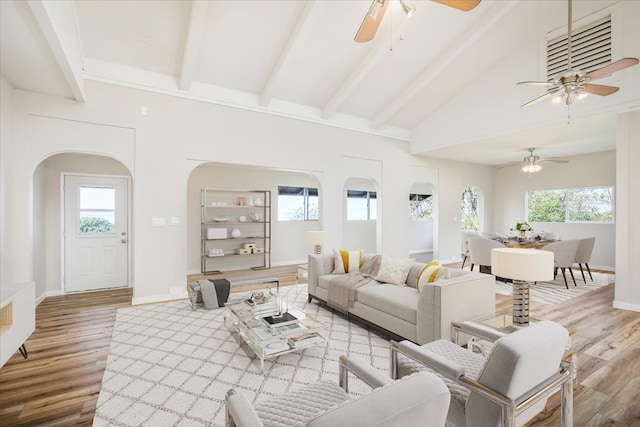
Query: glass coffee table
[[246, 320]]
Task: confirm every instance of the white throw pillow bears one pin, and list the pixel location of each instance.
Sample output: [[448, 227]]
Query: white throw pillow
[[393, 270], [347, 261], [432, 272]]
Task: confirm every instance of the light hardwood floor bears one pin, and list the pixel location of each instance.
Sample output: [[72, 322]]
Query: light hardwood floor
[[60, 382]]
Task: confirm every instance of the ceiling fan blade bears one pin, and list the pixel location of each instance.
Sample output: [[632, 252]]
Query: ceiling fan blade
[[371, 21], [464, 5], [601, 90], [537, 83], [541, 98], [612, 68], [553, 161]]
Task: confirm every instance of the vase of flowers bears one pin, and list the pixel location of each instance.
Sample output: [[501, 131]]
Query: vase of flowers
[[522, 228]]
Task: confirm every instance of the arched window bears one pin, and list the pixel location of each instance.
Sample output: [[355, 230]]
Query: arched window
[[470, 218]]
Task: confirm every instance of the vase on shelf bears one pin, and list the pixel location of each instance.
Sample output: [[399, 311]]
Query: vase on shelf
[[522, 235], [235, 233], [250, 200]]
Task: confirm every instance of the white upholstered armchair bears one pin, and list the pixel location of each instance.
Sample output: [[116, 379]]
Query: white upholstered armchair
[[507, 387], [421, 399]]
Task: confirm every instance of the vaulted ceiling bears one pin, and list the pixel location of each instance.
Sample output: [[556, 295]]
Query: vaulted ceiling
[[443, 80]]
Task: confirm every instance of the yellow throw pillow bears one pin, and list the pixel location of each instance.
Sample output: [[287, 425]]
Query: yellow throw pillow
[[430, 273], [347, 261]]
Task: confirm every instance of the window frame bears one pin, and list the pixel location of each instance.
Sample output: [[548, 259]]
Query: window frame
[[306, 193], [368, 195], [567, 212]]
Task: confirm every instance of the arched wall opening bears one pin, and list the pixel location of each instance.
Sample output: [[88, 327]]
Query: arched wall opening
[[287, 237], [360, 216], [47, 214], [422, 221]]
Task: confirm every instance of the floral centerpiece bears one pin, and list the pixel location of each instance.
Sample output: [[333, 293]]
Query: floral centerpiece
[[523, 227]]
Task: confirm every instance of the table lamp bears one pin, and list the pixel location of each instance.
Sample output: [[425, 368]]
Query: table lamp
[[522, 266], [316, 238]]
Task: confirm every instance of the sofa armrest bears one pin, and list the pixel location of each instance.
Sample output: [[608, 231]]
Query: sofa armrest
[[318, 265], [466, 297]]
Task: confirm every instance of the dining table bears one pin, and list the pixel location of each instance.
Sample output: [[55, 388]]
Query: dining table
[[526, 244]]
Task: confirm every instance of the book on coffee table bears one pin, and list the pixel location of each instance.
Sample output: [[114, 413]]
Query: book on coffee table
[[282, 320], [304, 340]]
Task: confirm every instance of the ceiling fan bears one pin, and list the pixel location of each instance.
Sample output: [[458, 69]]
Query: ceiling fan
[[372, 19], [531, 163], [575, 82]]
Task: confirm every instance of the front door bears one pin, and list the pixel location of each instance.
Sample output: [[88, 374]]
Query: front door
[[95, 232]]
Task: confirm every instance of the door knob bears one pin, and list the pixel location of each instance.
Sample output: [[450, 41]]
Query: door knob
[[123, 240]]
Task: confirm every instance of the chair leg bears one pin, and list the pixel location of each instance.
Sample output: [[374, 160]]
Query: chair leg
[[555, 272], [471, 267], [582, 271], [565, 277], [574, 279], [589, 270], [463, 261]]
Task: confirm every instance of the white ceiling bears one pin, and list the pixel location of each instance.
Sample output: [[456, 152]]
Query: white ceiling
[[449, 88]]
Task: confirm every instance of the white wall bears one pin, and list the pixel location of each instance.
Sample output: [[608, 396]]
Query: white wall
[[627, 294], [6, 183], [592, 170], [162, 149]]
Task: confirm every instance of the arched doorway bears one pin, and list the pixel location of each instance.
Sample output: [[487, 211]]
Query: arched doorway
[[51, 233], [360, 220]]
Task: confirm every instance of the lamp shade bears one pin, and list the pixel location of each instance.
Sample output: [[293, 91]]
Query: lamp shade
[[530, 265], [316, 237]]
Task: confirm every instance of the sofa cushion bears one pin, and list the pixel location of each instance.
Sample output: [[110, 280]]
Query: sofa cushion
[[393, 270], [347, 261], [398, 301], [431, 273]]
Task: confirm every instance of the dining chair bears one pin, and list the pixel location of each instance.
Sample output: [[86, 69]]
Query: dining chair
[[466, 236], [583, 256], [480, 251], [564, 254], [551, 236]]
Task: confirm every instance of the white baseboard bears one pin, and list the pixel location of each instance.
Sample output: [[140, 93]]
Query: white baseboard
[[626, 306]]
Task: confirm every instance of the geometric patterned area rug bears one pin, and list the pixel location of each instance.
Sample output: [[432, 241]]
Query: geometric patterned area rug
[[171, 366], [555, 291]]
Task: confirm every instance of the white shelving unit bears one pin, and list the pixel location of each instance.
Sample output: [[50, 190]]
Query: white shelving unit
[[232, 221]]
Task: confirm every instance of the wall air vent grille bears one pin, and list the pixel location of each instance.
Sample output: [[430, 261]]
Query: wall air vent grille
[[590, 49]]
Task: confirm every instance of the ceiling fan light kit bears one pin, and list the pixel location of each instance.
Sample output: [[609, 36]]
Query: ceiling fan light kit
[[575, 83], [532, 163]]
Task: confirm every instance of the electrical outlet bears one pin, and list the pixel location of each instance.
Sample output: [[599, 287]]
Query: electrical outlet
[[158, 222], [175, 220]]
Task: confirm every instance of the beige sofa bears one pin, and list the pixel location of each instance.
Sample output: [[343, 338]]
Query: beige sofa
[[421, 317]]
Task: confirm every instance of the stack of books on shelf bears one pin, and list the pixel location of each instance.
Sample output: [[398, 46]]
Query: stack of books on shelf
[[305, 340]]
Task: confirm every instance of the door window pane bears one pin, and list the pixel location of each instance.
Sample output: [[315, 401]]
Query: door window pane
[[97, 210]]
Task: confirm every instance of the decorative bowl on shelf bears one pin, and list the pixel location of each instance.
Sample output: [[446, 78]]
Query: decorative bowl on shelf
[[220, 218], [242, 218]]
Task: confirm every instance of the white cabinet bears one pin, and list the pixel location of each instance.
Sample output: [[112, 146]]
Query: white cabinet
[[235, 230], [17, 318]]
